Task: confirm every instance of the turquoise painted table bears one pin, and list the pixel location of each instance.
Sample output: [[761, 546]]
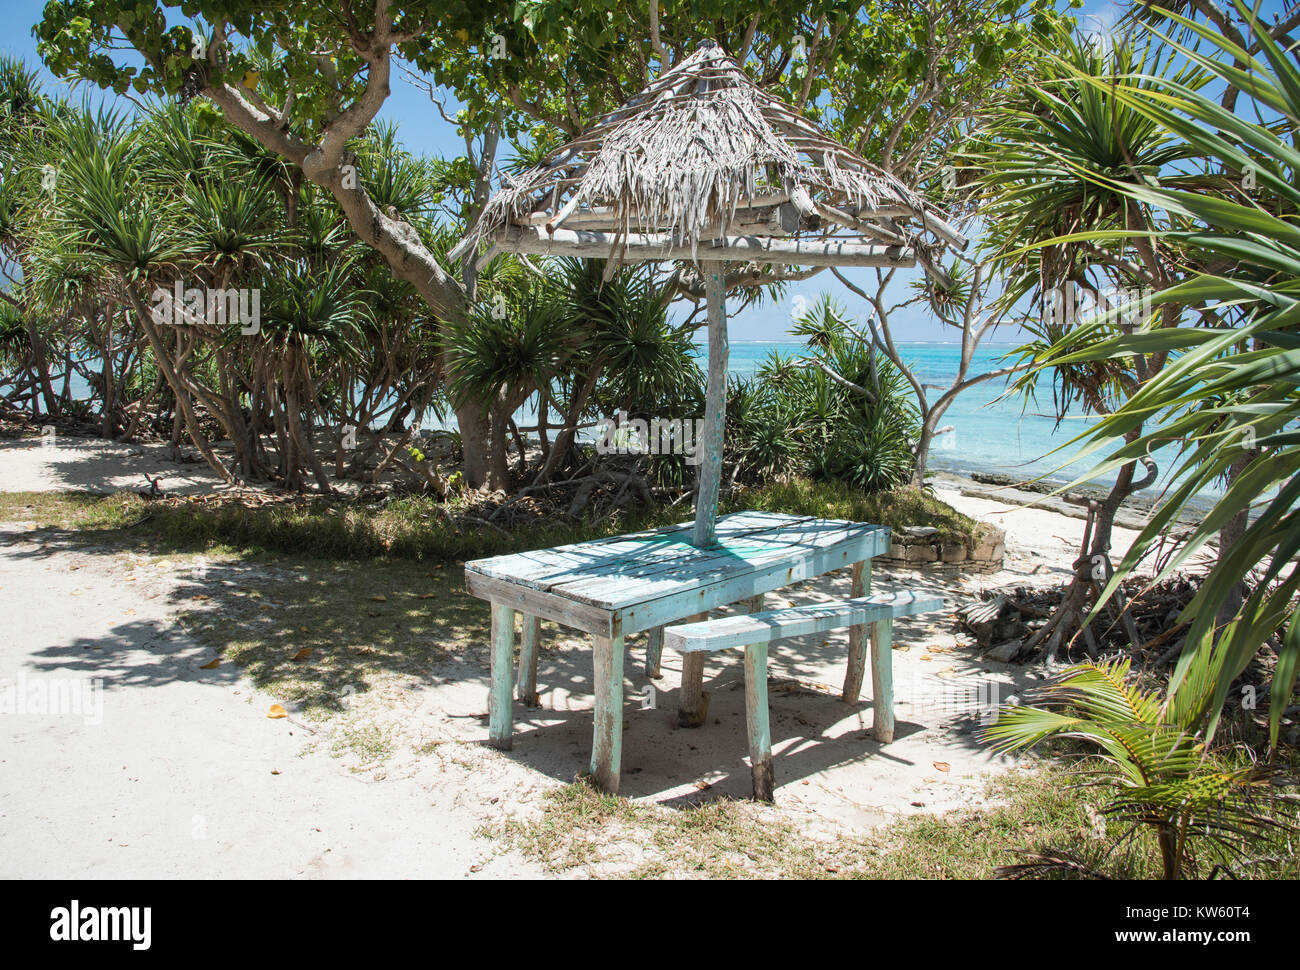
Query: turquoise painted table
[[612, 588]]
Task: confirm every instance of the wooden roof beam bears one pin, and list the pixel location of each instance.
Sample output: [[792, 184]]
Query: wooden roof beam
[[760, 249]]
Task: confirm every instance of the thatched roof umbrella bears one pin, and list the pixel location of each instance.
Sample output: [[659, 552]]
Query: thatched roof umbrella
[[704, 165]]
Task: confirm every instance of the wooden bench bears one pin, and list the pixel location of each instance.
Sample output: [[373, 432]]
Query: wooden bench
[[756, 630]]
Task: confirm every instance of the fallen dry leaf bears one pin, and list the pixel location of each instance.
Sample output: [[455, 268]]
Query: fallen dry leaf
[[302, 654], [942, 765], [277, 711], [379, 598], [211, 664]]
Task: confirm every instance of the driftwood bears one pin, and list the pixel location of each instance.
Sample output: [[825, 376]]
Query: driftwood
[[1003, 623]]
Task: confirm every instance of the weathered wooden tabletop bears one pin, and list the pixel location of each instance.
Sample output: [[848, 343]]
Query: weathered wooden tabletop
[[625, 584], [614, 587]]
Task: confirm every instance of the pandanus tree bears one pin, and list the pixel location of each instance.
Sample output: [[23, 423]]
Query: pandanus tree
[[310, 322], [506, 352], [1057, 168], [1237, 342], [838, 411], [139, 212], [27, 175]]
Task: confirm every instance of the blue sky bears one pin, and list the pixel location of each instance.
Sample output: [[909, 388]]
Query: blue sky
[[424, 131]]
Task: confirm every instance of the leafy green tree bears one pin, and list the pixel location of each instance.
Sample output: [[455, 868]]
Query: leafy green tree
[[306, 81]]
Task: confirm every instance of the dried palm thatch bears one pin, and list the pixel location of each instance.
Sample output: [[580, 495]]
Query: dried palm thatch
[[699, 154]]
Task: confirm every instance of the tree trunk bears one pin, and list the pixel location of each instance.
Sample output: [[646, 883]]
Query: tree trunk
[[472, 419], [922, 453], [564, 440], [1067, 619], [499, 472]]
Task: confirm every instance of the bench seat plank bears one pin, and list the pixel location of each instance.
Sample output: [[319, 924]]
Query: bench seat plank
[[740, 631]]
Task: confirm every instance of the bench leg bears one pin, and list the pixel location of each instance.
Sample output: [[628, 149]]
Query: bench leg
[[654, 650], [756, 720], [526, 679], [500, 711], [754, 604], [857, 638], [607, 745], [882, 680], [693, 700]]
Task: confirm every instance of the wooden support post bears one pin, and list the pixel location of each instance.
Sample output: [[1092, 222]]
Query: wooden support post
[[756, 721], [500, 711], [692, 699], [715, 407], [526, 679], [754, 604], [882, 680], [857, 638], [654, 650], [607, 745]]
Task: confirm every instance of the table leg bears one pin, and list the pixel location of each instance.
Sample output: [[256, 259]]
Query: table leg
[[500, 711], [882, 680], [857, 637], [526, 679], [692, 700], [756, 720], [654, 650], [607, 745]]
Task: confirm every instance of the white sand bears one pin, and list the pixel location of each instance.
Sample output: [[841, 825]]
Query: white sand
[[185, 775]]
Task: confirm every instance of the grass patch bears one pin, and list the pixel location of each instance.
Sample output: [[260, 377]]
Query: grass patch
[[423, 530], [364, 627], [1042, 811], [368, 744], [897, 508], [418, 529]]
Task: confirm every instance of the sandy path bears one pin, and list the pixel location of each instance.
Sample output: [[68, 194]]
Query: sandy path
[[181, 773], [97, 465]]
